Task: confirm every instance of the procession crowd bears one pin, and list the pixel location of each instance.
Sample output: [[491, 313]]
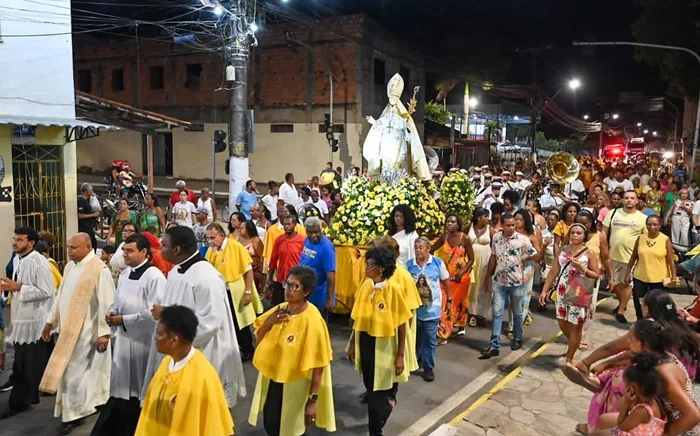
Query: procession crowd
[[153, 334]]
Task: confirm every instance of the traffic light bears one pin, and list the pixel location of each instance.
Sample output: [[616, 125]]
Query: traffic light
[[330, 135], [219, 144]]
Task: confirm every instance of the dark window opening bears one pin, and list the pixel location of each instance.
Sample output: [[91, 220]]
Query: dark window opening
[[85, 80], [117, 79], [157, 77], [194, 73], [379, 72], [406, 74], [281, 128]]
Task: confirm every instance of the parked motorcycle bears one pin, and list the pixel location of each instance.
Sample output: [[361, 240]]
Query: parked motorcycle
[[136, 198]]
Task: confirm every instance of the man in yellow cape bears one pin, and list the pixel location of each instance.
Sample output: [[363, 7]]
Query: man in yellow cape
[[185, 397], [234, 263]]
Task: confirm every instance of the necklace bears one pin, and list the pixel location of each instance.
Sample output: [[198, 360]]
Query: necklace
[[651, 242]]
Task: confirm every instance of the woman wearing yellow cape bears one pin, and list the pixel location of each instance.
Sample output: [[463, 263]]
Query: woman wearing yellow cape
[[377, 347], [234, 263], [294, 388]]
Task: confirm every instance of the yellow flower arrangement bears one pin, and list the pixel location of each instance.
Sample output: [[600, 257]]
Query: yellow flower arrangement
[[368, 203], [457, 195]]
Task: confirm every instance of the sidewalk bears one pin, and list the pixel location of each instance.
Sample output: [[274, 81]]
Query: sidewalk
[[164, 185], [540, 400]]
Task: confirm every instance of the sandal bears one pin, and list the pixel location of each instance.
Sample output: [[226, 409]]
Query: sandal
[[472, 321], [442, 342], [582, 428], [579, 378]]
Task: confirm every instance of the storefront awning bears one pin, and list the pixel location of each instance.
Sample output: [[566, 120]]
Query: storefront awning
[[48, 121]]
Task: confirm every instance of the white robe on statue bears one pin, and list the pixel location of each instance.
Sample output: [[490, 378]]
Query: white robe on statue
[[139, 289], [85, 382], [196, 284]]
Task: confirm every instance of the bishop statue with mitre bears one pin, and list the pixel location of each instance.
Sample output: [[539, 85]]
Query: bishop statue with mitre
[[393, 146]]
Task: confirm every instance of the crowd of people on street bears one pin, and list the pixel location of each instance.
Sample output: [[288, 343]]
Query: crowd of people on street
[[177, 302]]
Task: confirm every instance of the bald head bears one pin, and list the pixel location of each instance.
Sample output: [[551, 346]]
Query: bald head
[[78, 246]]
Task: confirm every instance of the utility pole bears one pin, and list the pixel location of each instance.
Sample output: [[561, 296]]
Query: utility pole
[[238, 50]]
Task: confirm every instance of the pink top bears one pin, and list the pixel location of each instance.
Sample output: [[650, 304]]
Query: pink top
[[602, 214], [654, 427]]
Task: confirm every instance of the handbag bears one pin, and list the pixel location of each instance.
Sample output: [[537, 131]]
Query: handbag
[[578, 292], [553, 292]]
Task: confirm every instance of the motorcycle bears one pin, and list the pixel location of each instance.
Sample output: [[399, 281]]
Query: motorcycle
[[136, 198]]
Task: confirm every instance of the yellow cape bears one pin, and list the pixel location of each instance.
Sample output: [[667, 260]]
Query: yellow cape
[[288, 354], [410, 292], [232, 262], [187, 402], [380, 311]]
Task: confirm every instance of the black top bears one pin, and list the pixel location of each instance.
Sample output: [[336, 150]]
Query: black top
[[85, 225]]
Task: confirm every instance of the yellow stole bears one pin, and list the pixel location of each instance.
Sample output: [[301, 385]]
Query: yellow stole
[[71, 325]]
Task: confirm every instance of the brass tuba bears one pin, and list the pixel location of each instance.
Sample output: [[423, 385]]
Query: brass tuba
[[563, 167]]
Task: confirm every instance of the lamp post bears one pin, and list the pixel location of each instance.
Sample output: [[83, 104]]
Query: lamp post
[[664, 47], [573, 84]]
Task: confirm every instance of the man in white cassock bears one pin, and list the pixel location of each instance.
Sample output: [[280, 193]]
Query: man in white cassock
[[32, 292], [196, 284], [140, 286], [79, 368]]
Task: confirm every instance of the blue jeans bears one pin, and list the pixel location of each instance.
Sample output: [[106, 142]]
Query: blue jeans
[[500, 295], [426, 342]]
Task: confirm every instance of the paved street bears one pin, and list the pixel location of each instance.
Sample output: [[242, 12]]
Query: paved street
[[421, 406], [540, 400]]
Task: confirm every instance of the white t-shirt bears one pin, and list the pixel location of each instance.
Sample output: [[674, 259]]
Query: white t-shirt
[[407, 249], [183, 213], [320, 205], [626, 185], [289, 194], [573, 187], [270, 202]]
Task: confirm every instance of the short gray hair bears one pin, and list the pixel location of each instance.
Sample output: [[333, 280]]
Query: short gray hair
[[425, 240], [85, 187], [180, 183], [312, 221]]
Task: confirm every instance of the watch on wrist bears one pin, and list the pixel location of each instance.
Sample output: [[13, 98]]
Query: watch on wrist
[[313, 397]]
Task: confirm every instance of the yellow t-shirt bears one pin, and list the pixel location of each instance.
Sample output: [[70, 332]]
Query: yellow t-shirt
[[652, 267], [187, 402], [293, 348], [380, 310], [561, 229], [624, 231]]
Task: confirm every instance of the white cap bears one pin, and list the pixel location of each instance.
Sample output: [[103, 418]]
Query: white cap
[[484, 167], [476, 177], [505, 173], [496, 184], [519, 173], [477, 169], [488, 175], [463, 171]]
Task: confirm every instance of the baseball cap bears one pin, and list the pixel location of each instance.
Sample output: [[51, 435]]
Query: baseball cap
[[202, 210]]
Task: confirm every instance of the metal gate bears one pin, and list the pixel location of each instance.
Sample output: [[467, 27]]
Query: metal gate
[[39, 192]]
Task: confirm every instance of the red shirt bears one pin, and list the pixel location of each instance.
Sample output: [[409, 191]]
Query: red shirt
[[286, 253], [191, 197]]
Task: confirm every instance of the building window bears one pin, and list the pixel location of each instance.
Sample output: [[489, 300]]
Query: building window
[[85, 80], [194, 74], [281, 128], [157, 77], [379, 72], [117, 79]]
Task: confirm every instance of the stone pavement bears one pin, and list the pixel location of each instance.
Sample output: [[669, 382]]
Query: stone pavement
[[541, 400]]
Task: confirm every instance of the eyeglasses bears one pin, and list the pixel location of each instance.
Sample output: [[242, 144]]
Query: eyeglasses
[[294, 287], [370, 264]]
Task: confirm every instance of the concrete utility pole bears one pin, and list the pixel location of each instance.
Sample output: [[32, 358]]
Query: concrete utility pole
[[237, 54], [663, 47]]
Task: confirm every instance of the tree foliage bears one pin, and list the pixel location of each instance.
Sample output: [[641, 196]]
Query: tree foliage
[[437, 113], [671, 22]]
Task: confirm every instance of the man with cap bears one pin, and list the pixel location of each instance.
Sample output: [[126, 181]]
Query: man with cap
[[175, 197], [551, 199], [574, 191], [520, 186], [476, 180], [485, 188], [507, 183], [493, 197], [201, 216]]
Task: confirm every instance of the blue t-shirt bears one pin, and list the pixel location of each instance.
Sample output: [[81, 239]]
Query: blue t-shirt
[[245, 200], [428, 283], [321, 258]]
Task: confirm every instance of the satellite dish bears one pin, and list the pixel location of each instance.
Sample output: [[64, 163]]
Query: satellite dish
[[432, 157]]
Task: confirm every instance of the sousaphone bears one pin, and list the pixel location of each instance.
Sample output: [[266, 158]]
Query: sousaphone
[[563, 168]]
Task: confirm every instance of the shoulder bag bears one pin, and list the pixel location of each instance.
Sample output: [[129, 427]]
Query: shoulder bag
[[553, 292]]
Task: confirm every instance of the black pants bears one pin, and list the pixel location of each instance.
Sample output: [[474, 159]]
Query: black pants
[[27, 371], [119, 417], [272, 410], [379, 403], [639, 290], [277, 293], [244, 336]]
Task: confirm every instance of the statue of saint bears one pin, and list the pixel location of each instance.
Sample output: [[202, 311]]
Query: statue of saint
[[393, 147]]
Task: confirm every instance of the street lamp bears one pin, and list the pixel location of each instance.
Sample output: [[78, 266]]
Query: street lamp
[[473, 102], [653, 133], [574, 84], [585, 117], [646, 131], [639, 124], [615, 116]]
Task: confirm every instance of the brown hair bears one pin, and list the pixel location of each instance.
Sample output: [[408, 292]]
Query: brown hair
[[386, 241]]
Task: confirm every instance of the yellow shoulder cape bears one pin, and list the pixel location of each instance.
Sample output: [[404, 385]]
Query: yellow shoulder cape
[[379, 312]]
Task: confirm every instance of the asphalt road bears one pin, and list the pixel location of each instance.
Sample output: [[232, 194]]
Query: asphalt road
[[457, 366]]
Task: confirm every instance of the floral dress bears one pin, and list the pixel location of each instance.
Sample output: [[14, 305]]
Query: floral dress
[[455, 259], [572, 314], [654, 201]]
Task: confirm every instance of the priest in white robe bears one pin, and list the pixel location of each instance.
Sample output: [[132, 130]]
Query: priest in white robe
[[140, 286], [79, 368], [32, 291], [196, 284]]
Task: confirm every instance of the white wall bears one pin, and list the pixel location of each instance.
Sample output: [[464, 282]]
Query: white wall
[[36, 73]]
